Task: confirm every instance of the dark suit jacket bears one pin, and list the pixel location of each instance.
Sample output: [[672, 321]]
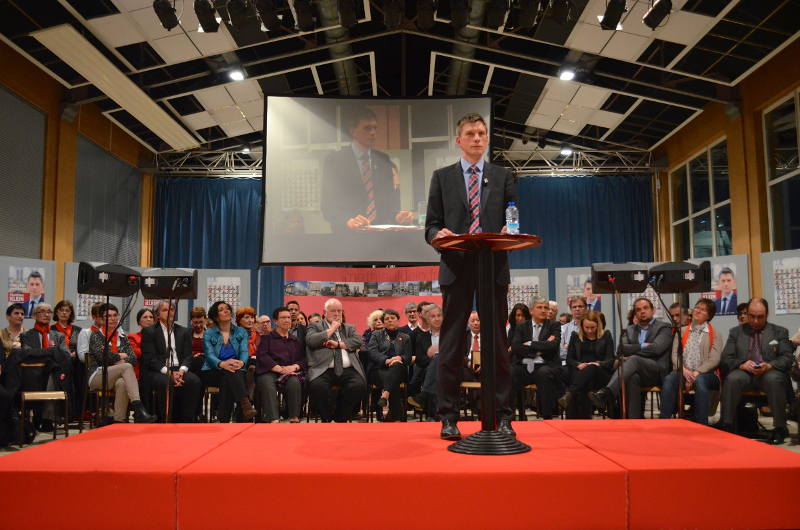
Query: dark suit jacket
[[597, 305], [548, 349], [778, 354], [448, 208], [659, 340], [422, 342], [33, 339], [154, 348], [603, 350], [301, 334], [29, 305], [379, 346], [344, 195], [730, 309]]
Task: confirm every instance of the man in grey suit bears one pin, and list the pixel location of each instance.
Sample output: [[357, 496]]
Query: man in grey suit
[[758, 354], [332, 356], [466, 198], [646, 353]]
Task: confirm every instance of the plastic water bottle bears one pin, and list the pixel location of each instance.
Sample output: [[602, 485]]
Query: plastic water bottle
[[512, 219], [422, 211]]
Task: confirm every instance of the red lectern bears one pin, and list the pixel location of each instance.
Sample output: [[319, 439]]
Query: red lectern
[[487, 441]]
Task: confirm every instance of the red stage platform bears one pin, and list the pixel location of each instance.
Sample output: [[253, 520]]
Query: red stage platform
[[580, 474]]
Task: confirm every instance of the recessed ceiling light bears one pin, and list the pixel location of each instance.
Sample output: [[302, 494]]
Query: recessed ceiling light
[[566, 151], [566, 74], [237, 75], [246, 150]]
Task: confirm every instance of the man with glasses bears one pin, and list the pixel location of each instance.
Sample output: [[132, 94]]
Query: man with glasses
[[413, 319], [264, 324]]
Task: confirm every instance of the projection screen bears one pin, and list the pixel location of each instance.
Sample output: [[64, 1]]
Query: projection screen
[[320, 188]]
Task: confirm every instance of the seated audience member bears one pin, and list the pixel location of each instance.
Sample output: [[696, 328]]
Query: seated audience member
[[264, 324], [332, 357], [427, 349], [390, 352], [144, 318], [795, 372], [757, 355], [197, 319], [83, 337], [552, 314], [741, 312], [314, 317], [702, 346], [297, 329], [473, 343], [166, 350], [645, 351], [535, 358], [413, 319], [64, 316], [15, 314], [678, 312], [246, 319], [632, 319], [577, 306], [564, 318], [281, 367], [519, 313], [302, 319], [416, 373], [46, 337], [121, 360], [590, 357], [227, 350], [374, 321]]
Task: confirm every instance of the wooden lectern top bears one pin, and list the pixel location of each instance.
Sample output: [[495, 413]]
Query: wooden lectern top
[[487, 241]]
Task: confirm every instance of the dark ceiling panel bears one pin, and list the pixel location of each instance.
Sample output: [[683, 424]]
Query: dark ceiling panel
[[91, 8], [186, 105], [661, 53], [141, 55], [711, 8], [618, 103]]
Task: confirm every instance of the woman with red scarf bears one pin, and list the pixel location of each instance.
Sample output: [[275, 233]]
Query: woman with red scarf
[[63, 317], [144, 318], [121, 359]]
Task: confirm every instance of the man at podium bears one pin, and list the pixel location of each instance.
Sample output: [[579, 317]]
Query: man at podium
[[469, 197]]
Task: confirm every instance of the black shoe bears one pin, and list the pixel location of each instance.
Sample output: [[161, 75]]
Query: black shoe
[[504, 427], [383, 403], [598, 399], [778, 435], [450, 431], [417, 402], [722, 426], [140, 414], [46, 426], [565, 400]]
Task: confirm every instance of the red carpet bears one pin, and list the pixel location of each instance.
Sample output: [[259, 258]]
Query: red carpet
[[580, 474]]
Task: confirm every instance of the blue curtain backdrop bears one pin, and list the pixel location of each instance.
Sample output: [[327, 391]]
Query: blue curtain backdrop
[[214, 223]]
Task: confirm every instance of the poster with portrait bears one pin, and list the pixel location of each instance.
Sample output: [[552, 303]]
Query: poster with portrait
[[786, 276], [522, 289], [227, 288], [723, 288], [26, 286], [581, 285]]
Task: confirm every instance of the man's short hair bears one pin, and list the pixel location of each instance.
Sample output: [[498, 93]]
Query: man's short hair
[[327, 303], [577, 298], [684, 310], [760, 301], [711, 307], [429, 307], [649, 302], [159, 303], [589, 282], [539, 299], [358, 114], [277, 311], [390, 312], [295, 302], [312, 315], [36, 274], [41, 305], [553, 303], [107, 307], [16, 305], [472, 117], [410, 305], [726, 270], [197, 312], [421, 306]]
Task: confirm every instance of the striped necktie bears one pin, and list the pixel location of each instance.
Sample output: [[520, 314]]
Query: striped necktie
[[366, 177], [474, 202]]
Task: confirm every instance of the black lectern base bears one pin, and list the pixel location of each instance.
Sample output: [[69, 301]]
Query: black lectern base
[[489, 443]]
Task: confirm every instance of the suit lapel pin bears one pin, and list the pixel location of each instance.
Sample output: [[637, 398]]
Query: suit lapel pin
[[485, 182]]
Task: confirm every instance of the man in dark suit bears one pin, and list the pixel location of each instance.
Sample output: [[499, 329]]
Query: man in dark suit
[[535, 356], [332, 356], [35, 289], [646, 348], [593, 302], [297, 329], [727, 301], [758, 354], [470, 196], [357, 185], [154, 364]]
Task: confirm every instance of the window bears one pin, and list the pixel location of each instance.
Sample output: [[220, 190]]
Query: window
[[700, 205], [783, 173]]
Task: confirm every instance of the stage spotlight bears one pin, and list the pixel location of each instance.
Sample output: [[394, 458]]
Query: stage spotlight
[[204, 9], [347, 13], [528, 12], [542, 143], [459, 13], [165, 11], [496, 14], [566, 73], [559, 11], [656, 15], [268, 14], [237, 10], [566, 151], [613, 14], [236, 75], [426, 9], [525, 140], [392, 14], [305, 15]]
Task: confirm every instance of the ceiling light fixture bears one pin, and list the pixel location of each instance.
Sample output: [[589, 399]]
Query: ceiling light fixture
[[459, 13], [165, 11], [559, 11], [392, 14], [204, 9], [612, 16], [567, 73], [657, 13], [305, 15], [73, 48], [237, 11], [347, 13], [268, 15], [566, 151], [236, 75], [496, 14], [426, 9]]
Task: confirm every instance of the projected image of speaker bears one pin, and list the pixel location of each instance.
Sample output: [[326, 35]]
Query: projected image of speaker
[[107, 279], [169, 284], [681, 277], [623, 277]]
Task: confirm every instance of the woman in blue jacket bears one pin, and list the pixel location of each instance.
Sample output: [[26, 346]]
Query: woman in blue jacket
[[227, 351]]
